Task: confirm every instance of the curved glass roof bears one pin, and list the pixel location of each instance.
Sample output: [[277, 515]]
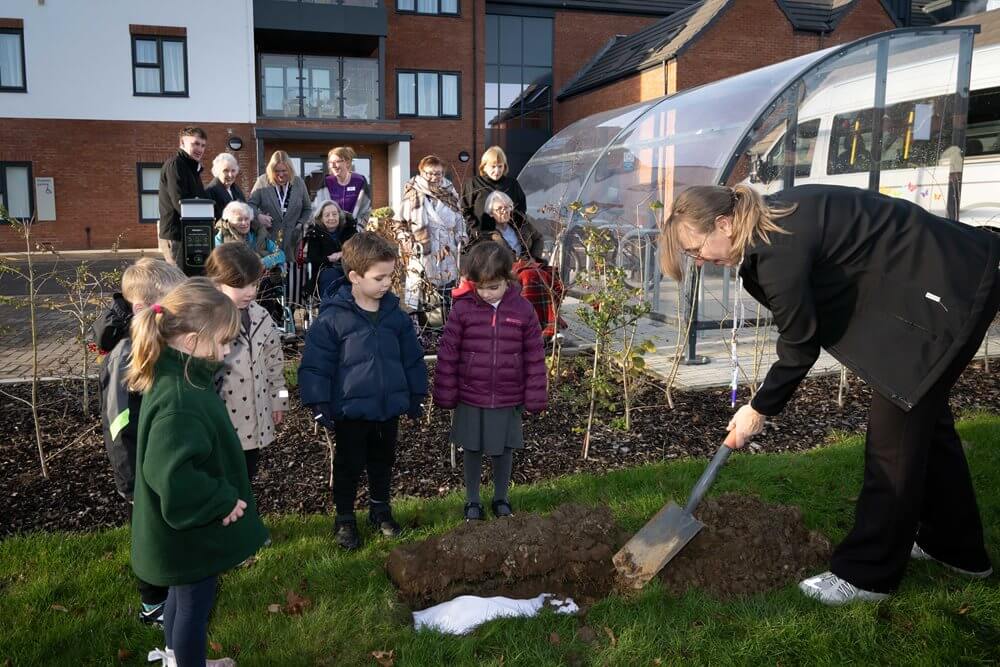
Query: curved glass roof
[[620, 161]]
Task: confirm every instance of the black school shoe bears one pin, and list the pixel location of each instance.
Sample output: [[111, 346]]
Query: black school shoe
[[345, 533], [381, 520], [501, 509], [474, 512]]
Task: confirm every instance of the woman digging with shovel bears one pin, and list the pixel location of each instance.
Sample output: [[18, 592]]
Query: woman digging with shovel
[[901, 297]]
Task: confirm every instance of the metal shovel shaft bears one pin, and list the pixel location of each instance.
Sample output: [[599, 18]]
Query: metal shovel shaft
[[667, 532]]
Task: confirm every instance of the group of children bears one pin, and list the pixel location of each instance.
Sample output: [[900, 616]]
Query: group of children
[[193, 388]]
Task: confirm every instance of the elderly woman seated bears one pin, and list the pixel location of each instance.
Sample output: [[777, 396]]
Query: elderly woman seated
[[238, 224], [539, 282]]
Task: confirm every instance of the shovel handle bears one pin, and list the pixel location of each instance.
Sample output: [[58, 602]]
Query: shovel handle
[[707, 477]]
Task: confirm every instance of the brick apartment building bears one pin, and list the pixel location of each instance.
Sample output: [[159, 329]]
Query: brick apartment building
[[92, 94]]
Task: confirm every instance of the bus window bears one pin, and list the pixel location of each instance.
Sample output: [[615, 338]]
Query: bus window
[[914, 134], [982, 136], [805, 144]]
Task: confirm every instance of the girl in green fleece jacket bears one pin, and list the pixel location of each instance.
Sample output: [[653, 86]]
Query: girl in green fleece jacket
[[194, 515]]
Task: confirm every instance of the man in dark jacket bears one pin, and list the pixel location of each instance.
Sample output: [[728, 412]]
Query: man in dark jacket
[[362, 368], [180, 178]]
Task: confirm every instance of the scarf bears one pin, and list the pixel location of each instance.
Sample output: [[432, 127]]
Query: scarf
[[417, 188]]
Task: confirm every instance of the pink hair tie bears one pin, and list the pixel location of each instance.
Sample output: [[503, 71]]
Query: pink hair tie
[[157, 308]]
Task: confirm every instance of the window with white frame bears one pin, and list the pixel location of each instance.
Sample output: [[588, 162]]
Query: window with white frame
[[16, 195], [12, 74], [148, 174], [159, 66], [444, 7], [427, 94]]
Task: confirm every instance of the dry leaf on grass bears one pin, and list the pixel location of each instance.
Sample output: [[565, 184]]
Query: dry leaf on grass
[[215, 646], [295, 604], [611, 636], [59, 607], [385, 658], [274, 608], [964, 609], [554, 638], [124, 654]]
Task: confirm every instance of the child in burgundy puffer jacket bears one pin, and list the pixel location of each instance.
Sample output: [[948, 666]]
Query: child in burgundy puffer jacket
[[490, 368]]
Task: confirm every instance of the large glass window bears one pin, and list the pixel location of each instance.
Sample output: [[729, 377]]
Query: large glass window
[[427, 94], [12, 61], [159, 65], [296, 86], [148, 175], [447, 7], [518, 71], [15, 189]]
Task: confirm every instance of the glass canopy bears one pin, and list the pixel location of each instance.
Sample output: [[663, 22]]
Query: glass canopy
[[886, 112]]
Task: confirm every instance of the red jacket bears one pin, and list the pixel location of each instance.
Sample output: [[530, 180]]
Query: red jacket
[[491, 358]]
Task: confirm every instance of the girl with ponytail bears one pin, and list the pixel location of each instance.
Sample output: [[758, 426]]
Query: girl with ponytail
[[194, 514], [901, 297]]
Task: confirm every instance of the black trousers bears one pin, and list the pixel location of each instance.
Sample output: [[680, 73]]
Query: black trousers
[[916, 486], [363, 444], [252, 457]]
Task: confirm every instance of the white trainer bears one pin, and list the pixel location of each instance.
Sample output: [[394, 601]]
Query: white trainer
[[916, 553], [831, 590], [167, 659]]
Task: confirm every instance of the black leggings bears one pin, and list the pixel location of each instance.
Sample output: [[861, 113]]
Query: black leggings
[[185, 620]]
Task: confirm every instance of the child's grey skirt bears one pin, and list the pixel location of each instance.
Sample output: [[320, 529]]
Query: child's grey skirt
[[487, 430]]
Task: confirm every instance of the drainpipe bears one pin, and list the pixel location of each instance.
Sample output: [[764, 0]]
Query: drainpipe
[[475, 82]]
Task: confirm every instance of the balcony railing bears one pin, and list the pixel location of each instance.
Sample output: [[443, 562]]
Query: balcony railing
[[296, 86]]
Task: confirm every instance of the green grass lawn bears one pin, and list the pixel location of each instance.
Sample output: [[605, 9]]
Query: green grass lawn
[[68, 599]]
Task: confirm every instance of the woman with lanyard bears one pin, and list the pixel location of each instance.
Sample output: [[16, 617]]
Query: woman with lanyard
[[901, 297], [348, 189], [431, 227], [283, 202]]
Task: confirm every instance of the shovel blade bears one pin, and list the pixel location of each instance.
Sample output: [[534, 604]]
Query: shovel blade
[[655, 544]]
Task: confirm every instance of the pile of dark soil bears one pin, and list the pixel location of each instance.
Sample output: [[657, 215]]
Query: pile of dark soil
[[79, 493], [567, 553], [747, 546]]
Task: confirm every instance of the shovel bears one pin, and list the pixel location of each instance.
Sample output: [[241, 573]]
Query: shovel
[[666, 533]]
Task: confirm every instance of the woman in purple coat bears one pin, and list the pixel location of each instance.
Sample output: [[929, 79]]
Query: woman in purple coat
[[345, 187], [490, 368]]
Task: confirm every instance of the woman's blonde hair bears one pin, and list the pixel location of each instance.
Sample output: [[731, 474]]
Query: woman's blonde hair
[[493, 154], [195, 306], [279, 157], [220, 162], [698, 207], [318, 215], [345, 153]]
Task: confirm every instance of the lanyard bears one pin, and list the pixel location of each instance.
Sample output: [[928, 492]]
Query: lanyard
[[282, 193]]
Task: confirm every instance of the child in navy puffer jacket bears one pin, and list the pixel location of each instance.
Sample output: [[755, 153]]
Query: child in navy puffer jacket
[[362, 368], [490, 368]]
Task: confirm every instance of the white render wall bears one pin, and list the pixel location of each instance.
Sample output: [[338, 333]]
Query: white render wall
[[78, 60]]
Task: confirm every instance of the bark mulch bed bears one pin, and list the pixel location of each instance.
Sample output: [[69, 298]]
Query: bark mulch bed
[[294, 472]]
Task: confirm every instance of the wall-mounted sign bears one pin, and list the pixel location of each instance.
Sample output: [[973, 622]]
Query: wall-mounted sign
[[45, 198]]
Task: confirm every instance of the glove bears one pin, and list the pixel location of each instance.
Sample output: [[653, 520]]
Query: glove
[[416, 410], [323, 414]]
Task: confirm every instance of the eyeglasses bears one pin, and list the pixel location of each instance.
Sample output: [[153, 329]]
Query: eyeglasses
[[433, 174], [502, 209], [696, 254]]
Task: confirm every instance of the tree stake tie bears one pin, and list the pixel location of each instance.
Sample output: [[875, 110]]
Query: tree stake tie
[[739, 314]]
